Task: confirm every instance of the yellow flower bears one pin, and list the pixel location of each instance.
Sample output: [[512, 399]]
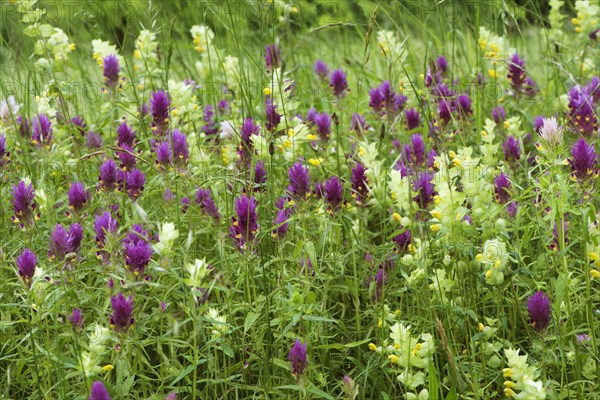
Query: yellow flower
[[397, 217], [267, 91], [372, 347], [393, 358], [595, 273], [493, 73], [379, 323], [315, 161], [509, 392], [108, 367], [480, 327]]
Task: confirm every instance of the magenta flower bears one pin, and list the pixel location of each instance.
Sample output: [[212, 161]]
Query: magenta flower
[[111, 70], [121, 318], [412, 119], [93, 141], [24, 126], [104, 224], [99, 392], [581, 110], [42, 131], [23, 205], [334, 193], [135, 181], [127, 157], [4, 155], [78, 196], [323, 125], [358, 123], [260, 174], [210, 128], [584, 161], [385, 101], [163, 154], [442, 64], [281, 222], [360, 186], [207, 205], [125, 135], [273, 118], [516, 72], [403, 241], [159, 106], [79, 124], [512, 149], [297, 358], [244, 225], [26, 263], [499, 115], [76, 319], [108, 178], [338, 83], [423, 186], [271, 57], [321, 69], [63, 242], [299, 187], [463, 105], [137, 251], [538, 307], [501, 188], [180, 147]]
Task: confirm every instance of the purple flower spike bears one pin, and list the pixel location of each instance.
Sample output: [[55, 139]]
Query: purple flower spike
[[26, 263], [297, 357], [42, 131], [412, 119], [63, 243], [78, 196], [418, 149], [79, 124], [23, 204], [93, 141], [501, 188], [299, 187], [210, 128], [281, 223], [244, 225], [273, 118], [137, 255], [512, 149], [321, 69], [260, 174], [121, 318], [104, 224], [159, 106], [135, 181], [334, 193], [323, 124], [423, 186], [127, 157], [464, 105], [163, 154], [180, 147], [125, 135], [4, 155], [99, 392], [76, 319], [499, 115], [538, 307], [512, 208], [360, 186], [271, 57], [584, 161], [339, 83], [442, 64], [111, 70], [581, 111], [516, 71], [358, 123], [108, 178], [403, 241], [207, 204]]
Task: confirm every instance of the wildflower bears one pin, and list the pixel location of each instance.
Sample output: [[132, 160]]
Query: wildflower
[[273, 118], [93, 141], [280, 222], [23, 204], [442, 64], [185, 204], [358, 123], [79, 124], [135, 181], [42, 131], [550, 132], [418, 149], [555, 245], [321, 69], [8, 109], [137, 254], [445, 109], [412, 119], [63, 243], [244, 225], [334, 193], [384, 100], [99, 392], [127, 157], [323, 124], [246, 147], [498, 114], [121, 318], [378, 280], [76, 319], [538, 307], [159, 106], [464, 105], [4, 155], [126, 135], [299, 182], [512, 149], [223, 107], [581, 111], [423, 186], [163, 154], [360, 187], [349, 388], [260, 174], [24, 127], [501, 188], [108, 175], [26, 263], [297, 357], [516, 72], [104, 224], [338, 83], [403, 241], [584, 161], [206, 203], [271, 57], [78, 196], [111, 70], [210, 128], [180, 147], [512, 208]]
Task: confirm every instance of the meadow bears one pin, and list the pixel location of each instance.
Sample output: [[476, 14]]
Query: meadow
[[311, 199]]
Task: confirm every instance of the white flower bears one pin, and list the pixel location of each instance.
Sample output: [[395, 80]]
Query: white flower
[[550, 131], [197, 271], [8, 107], [166, 237], [227, 130]]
